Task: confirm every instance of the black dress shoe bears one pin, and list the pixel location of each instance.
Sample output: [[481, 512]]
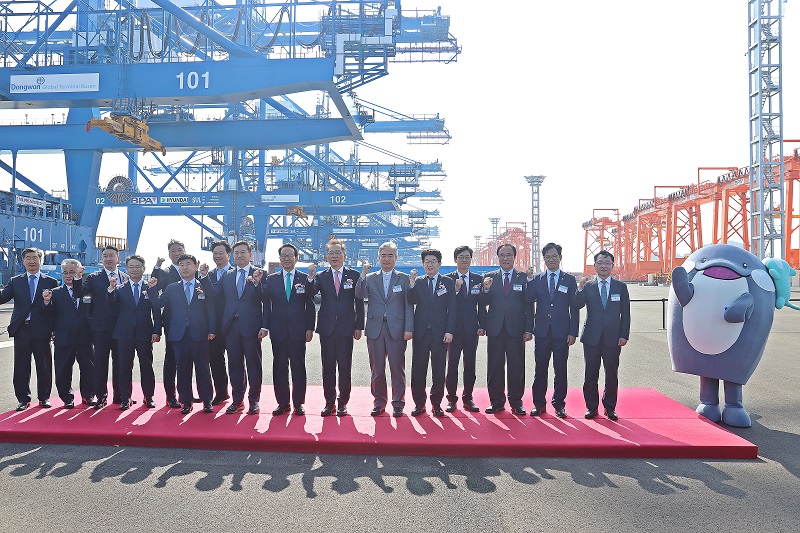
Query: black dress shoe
[[254, 408], [417, 411], [69, 404], [89, 401], [494, 409], [100, 403], [300, 410], [328, 411], [45, 404], [220, 399], [281, 409], [149, 403], [173, 403], [342, 411], [207, 408], [561, 413], [451, 406], [377, 411], [23, 405], [187, 408], [437, 411], [612, 415], [470, 406], [234, 408], [397, 413], [519, 411], [125, 405], [590, 413], [539, 411]]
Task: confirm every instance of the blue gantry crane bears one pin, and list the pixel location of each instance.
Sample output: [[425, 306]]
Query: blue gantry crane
[[150, 71]]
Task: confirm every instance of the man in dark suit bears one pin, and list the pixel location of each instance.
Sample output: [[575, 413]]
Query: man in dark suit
[[192, 325], [605, 332], [165, 277], [434, 299], [340, 321], [31, 329], [389, 327], [138, 326], [289, 315], [71, 340], [221, 253], [469, 317], [507, 330], [243, 326], [555, 329], [94, 290]]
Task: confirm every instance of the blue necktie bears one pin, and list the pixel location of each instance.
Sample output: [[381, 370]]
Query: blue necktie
[[603, 292], [32, 285], [136, 293], [288, 286], [187, 288], [240, 282], [552, 284]]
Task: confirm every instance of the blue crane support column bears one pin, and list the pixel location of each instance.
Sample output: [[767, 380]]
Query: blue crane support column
[[534, 182], [767, 212]]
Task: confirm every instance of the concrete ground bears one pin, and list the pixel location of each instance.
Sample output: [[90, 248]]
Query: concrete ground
[[85, 488]]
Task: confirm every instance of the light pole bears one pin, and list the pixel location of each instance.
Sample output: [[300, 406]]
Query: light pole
[[534, 182]]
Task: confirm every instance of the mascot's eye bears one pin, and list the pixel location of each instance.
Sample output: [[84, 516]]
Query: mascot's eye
[[744, 265], [703, 260]]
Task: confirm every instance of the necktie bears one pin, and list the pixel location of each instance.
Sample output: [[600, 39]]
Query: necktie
[[386, 281], [136, 293], [336, 281], [187, 288], [74, 301], [432, 285], [464, 287], [32, 285], [603, 292], [288, 286], [220, 272], [552, 284], [240, 282], [506, 283]]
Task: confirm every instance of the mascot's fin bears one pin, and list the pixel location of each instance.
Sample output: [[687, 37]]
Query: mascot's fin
[[741, 309], [680, 284]]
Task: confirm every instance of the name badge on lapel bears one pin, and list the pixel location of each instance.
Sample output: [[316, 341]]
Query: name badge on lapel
[[145, 295], [441, 290], [300, 288], [615, 297], [517, 287], [87, 299], [562, 288], [476, 289], [201, 296], [347, 284], [397, 288]]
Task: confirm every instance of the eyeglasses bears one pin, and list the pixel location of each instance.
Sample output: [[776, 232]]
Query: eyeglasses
[[463, 257], [604, 263], [334, 253], [430, 262], [550, 256], [287, 256], [505, 256]]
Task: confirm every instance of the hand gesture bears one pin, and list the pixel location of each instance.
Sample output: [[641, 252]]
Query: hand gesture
[[582, 282], [159, 262], [481, 332], [413, 276], [357, 334], [529, 272], [204, 269], [152, 282], [365, 268], [312, 269], [459, 283], [81, 269], [211, 336], [263, 333], [46, 295], [571, 340], [155, 338], [257, 275], [408, 335], [112, 284], [309, 335], [448, 338], [487, 283]]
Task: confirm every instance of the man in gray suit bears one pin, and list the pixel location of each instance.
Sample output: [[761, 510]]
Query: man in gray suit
[[389, 327]]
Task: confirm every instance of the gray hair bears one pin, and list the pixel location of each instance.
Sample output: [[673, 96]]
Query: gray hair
[[388, 244], [70, 262]]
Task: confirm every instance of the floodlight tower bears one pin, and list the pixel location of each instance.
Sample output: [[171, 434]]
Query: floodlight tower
[[477, 243], [534, 182], [767, 208], [495, 234]]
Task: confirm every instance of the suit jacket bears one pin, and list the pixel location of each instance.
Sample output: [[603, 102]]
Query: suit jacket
[[507, 311], [396, 308], [612, 322], [560, 312], [248, 309], [219, 303], [95, 286], [199, 317], [290, 318], [135, 321], [469, 315], [19, 290], [165, 276], [342, 313], [434, 309]]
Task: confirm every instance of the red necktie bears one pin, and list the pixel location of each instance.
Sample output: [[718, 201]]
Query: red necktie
[[336, 281], [506, 283]]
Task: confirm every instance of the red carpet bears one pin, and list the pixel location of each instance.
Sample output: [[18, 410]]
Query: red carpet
[[651, 425]]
